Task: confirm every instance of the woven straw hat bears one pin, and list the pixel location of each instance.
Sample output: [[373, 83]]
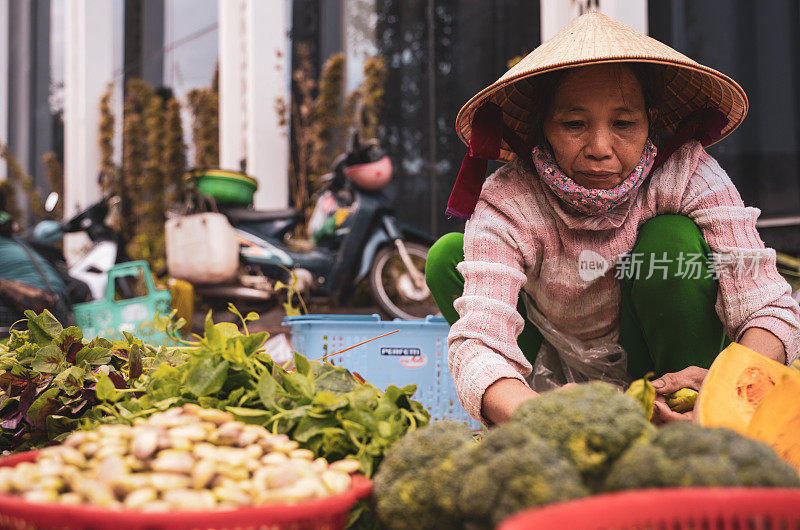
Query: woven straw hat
[[595, 38]]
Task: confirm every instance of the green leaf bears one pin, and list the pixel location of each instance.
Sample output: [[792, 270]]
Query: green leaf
[[334, 379], [268, 392], [301, 364], [44, 327], [251, 316], [208, 402], [165, 404], [213, 338], [252, 343], [60, 425], [42, 405], [234, 352], [207, 376], [95, 356], [252, 416], [227, 329], [308, 427], [298, 385], [164, 382], [328, 401], [105, 389], [234, 396], [70, 341], [48, 360], [70, 381], [362, 417]]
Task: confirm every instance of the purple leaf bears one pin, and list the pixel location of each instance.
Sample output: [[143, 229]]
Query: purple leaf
[[12, 422]]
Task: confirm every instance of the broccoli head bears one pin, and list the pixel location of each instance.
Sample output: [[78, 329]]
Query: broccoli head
[[509, 471], [683, 454], [591, 424], [412, 476]]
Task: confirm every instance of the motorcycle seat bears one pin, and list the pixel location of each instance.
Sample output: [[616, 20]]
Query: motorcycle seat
[[246, 215]]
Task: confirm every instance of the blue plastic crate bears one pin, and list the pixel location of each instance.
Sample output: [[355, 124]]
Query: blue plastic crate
[[416, 355]]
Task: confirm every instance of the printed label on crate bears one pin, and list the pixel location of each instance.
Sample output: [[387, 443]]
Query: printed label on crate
[[414, 362], [400, 351]]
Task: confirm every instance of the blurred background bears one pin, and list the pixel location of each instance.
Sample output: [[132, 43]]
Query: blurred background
[[268, 85]]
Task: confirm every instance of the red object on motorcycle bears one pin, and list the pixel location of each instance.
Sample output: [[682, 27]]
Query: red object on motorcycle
[[372, 175]]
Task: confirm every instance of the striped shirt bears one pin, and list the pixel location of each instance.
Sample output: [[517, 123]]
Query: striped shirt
[[522, 236]]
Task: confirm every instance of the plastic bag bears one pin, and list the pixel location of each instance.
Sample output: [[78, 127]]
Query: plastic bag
[[565, 359]]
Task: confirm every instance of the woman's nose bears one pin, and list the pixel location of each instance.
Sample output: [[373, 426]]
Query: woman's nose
[[598, 145]]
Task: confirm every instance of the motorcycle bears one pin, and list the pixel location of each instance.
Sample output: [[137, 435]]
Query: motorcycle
[[90, 270], [356, 237], [86, 279]]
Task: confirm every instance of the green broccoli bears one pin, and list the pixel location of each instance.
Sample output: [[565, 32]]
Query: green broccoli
[[509, 471], [409, 481], [591, 424], [683, 454]]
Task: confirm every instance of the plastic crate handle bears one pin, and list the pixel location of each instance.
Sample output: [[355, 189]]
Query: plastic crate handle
[[128, 269]]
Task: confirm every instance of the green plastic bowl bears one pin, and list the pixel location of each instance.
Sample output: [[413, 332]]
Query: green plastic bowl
[[227, 187]]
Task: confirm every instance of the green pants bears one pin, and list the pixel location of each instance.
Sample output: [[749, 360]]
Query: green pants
[[667, 321]]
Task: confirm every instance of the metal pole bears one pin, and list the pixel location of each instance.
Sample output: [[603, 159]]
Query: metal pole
[[432, 160]]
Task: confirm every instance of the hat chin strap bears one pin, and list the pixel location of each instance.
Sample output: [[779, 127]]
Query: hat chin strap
[[488, 130]]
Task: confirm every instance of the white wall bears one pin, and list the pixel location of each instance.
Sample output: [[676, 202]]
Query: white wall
[[632, 13], [556, 14], [254, 71], [3, 81]]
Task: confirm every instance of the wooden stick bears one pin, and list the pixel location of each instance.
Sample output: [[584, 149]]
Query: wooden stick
[[355, 345], [350, 348]]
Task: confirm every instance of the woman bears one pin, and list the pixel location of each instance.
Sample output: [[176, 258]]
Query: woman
[[617, 227]]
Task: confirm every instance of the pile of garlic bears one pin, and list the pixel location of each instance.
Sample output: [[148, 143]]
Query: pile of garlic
[[186, 458]]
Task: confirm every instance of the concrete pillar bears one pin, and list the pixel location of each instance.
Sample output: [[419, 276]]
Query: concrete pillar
[[254, 75], [556, 14], [231, 87], [91, 29]]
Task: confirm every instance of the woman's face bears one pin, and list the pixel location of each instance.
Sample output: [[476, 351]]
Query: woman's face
[[597, 125]]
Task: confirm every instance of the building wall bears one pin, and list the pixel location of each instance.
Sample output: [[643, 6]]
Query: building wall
[[758, 45], [472, 41]]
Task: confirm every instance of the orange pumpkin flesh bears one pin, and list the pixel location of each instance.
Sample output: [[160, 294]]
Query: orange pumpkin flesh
[[776, 420], [736, 384]]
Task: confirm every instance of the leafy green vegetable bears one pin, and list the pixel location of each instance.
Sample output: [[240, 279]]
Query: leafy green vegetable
[[48, 378], [323, 407]]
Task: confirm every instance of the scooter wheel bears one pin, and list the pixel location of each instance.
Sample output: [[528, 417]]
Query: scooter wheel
[[393, 288]]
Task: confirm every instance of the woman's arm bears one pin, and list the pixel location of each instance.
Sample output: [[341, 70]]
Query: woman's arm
[[503, 397], [754, 302], [482, 344], [765, 343]]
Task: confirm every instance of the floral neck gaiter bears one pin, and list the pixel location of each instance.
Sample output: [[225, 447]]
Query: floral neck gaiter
[[586, 200]]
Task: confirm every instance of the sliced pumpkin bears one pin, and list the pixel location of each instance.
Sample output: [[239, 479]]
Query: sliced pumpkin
[[735, 385], [776, 420]]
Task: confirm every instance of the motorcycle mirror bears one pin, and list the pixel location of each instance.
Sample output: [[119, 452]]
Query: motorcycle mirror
[[51, 202]]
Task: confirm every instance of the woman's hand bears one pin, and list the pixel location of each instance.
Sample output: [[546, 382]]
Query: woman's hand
[[691, 377]]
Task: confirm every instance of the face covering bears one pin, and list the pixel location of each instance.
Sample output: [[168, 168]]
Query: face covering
[[586, 200]]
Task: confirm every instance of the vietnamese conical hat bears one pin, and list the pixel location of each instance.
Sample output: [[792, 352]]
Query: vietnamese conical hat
[[594, 38]]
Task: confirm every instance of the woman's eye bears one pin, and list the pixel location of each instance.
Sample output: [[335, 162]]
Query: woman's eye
[[623, 124], [573, 125]]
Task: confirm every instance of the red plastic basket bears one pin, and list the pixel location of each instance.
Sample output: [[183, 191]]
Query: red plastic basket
[[329, 513], [673, 509]]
